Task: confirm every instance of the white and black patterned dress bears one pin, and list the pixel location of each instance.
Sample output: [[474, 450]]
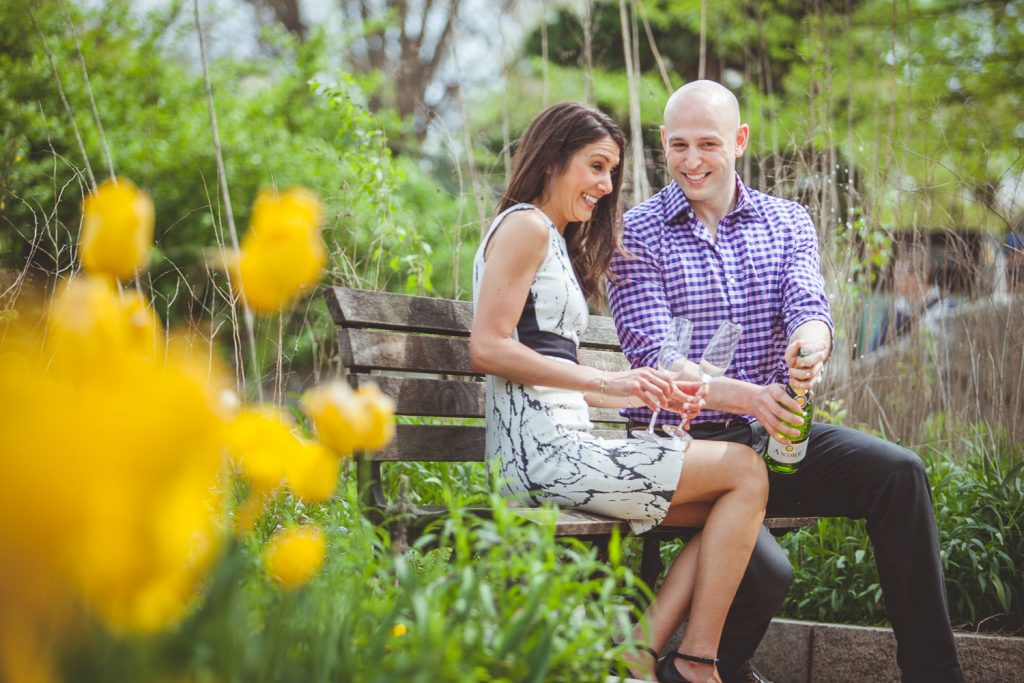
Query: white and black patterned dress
[[541, 436]]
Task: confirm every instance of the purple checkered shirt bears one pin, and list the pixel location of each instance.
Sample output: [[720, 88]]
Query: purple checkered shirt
[[762, 273]]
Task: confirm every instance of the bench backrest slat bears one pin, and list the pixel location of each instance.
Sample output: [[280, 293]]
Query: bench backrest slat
[[418, 396], [357, 308], [363, 350], [429, 397]]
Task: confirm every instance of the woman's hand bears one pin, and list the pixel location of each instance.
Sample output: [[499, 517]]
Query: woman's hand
[[687, 399], [642, 386]]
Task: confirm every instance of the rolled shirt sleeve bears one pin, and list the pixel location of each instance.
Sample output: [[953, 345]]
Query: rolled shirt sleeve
[[801, 283]]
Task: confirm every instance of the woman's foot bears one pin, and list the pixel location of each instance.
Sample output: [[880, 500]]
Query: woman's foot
[[676, 667]]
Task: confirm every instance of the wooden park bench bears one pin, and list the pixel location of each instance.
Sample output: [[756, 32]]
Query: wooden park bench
[[416, 349]]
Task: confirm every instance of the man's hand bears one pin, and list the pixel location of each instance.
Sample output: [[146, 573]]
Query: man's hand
[[772, 407], [687, 399], [805, 370]]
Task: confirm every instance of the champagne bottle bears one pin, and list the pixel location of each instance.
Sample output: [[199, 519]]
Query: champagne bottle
[[787, 458]]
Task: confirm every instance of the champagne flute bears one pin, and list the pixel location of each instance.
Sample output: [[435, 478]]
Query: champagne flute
[[671, 362], [713, 363], [719, 352]]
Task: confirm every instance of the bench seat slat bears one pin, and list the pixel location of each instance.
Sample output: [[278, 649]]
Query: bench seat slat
[[580, 523], [357, 308]]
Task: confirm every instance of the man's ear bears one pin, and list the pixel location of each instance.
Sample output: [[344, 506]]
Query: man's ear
[[663, 140], [742, 138]]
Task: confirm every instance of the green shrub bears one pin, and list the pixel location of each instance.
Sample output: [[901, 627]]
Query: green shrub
[[978, 493], [473, 600]]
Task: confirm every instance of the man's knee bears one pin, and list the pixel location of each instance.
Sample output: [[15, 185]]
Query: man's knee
[[907, 470], [768, 577]]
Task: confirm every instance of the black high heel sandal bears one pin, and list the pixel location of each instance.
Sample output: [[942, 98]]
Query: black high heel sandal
[[666, 671]]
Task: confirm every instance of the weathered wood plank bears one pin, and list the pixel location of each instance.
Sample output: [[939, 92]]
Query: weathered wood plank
[[434, 443], [429, 397], [360, 308], [579, 523], [372, 350], [447, 398], [363, 350], [385, 310], [446, 443]]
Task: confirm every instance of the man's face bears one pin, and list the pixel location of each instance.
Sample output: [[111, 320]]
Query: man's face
[[702, 143]]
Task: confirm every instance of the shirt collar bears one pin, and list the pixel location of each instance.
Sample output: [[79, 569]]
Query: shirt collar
[[677, 209]]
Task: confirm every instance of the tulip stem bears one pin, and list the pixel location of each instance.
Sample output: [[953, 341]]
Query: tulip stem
[[279, 374]]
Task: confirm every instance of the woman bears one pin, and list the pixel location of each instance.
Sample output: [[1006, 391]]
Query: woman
[[540, 262]]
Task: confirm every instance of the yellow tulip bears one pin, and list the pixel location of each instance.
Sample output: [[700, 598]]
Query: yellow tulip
[[260, 441], [381, 411], [297, 207], [117, 229], [295, 555], [312, 472], [339, 416], [282, 255], [144, 331], [119, 472], [92, 327], [87, 324]]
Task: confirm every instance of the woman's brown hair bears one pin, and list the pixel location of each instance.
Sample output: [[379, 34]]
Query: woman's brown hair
[[544, 150]]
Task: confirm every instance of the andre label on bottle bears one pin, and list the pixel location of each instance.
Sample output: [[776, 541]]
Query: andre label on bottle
[[787, 458]]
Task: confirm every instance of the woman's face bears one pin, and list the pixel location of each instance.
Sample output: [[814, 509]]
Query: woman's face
[[573, 193]]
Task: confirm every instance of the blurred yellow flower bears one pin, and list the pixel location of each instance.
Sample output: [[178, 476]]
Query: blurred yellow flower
[[294, 555], [119, 473], [261, 443], [381, 412], [347, 420], [340, 418], [282, 255], [312, 472], [117, 229], [92, 328], [144, 329], [399, 630]]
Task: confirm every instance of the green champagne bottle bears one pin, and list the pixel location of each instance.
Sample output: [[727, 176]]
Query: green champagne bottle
[[787, 458]]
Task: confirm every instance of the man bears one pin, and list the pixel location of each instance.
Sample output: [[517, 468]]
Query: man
[[708, 248]]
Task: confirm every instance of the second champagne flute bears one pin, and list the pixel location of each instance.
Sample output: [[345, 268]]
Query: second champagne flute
[[671, 360]]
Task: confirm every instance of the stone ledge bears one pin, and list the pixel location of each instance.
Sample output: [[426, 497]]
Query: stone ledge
[[809, 652]]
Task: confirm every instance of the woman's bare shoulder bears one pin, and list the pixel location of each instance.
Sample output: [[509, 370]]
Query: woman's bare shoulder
[[523, 231]]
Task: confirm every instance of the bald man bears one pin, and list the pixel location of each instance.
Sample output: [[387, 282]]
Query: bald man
[[708, 248]]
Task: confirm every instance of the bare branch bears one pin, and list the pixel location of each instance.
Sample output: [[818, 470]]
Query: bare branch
[[223, 179]]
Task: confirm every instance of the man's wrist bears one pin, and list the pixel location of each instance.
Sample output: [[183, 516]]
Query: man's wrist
[[729, 395]]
